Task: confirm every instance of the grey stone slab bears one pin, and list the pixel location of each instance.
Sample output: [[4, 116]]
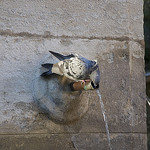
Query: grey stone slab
[[36, 142], [85, 141], [118, 141], [20, 60], [138, 87], [135, 10], [110, 31], [73, 18]]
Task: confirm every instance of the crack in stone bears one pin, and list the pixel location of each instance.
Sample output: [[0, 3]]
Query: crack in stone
[[45, 35]]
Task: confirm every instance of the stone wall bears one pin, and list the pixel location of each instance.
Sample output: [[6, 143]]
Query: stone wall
[[110, 31]]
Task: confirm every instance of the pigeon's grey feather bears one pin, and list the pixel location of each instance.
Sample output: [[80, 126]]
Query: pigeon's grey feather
[[60, 56], [75, 68]]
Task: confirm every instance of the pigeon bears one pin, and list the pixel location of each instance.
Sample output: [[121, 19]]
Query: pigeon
[[74, 67]]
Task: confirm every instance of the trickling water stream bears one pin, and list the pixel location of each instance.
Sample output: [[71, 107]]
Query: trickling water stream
[[105, 118]]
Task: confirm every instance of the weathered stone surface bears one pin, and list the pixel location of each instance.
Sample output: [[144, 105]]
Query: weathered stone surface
[[85, 141], [21, 59], [114, 18], [36, 142], [135, 10], [138, 88], [109, 31], [118, 141]]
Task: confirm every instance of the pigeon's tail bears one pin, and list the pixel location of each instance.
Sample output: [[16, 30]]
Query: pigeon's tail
[[47, 73], [60, 56], [49, 67]]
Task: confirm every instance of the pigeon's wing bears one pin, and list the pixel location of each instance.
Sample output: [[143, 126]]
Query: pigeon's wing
[[75, 69], [90, 64], [60, 56]]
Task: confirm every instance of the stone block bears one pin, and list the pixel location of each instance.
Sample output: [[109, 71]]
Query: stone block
[[110, 31], [118, 141], [36, 142], [85, 141], [21, 59], [112, 18]]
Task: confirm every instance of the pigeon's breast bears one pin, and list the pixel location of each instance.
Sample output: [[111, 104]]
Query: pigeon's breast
[[75, 69]]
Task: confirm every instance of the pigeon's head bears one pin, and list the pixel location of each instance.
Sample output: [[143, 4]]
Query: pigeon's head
[[95, 78]]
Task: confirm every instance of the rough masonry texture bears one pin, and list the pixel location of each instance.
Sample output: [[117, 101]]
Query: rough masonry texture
[[110, 31]]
